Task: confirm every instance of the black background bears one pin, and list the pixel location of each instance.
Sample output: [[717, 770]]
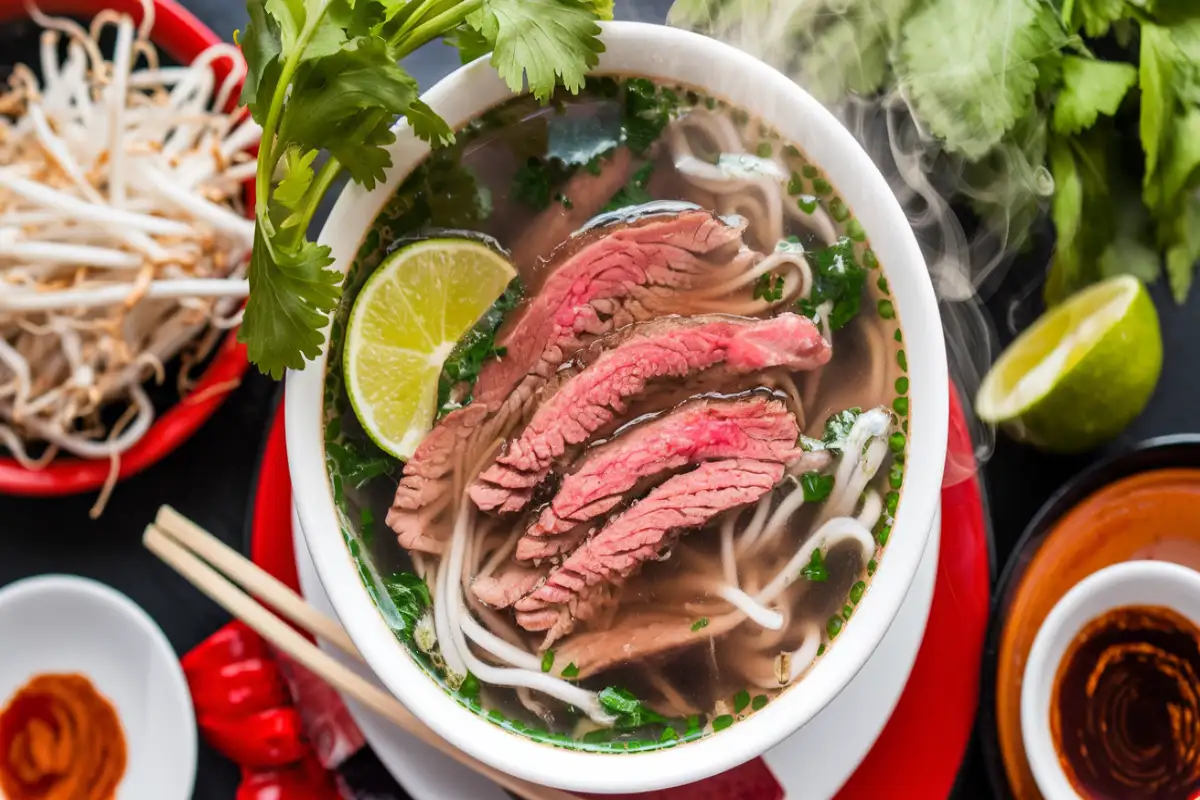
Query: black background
[[210, 478]]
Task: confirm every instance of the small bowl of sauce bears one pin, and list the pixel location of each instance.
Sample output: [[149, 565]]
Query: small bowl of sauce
[[1110, 698], [93, 702]]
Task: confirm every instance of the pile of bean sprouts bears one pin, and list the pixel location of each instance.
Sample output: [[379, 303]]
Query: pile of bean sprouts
[[123, 239]]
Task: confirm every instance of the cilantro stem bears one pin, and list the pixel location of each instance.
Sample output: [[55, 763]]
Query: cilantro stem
[[435, 27], [325, 177]]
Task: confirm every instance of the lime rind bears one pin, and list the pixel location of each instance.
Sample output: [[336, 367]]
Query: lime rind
[[405, 323], [1082, 373]]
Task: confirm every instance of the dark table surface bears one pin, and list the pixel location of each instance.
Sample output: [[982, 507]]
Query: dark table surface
[[210, 478]]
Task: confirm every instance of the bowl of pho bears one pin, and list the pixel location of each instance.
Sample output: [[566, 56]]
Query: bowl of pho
[[630, 431]]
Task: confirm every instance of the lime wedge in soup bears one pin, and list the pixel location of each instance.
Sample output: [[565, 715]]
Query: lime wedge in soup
[[404, 325], [1082, 373]]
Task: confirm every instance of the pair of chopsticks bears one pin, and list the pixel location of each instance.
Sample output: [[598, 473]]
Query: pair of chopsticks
[[218, 570]]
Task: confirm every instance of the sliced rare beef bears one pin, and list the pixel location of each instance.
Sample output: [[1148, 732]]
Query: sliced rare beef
[[586, 582], [508, 584], [609, 278], [756, 426], [635, 637], [620, 274], [582, 401]]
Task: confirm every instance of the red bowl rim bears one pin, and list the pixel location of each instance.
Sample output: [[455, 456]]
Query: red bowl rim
[[179, 34]]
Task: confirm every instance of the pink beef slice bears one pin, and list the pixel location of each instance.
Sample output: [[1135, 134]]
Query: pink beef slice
[[586, 582], [756, 426], [611, 277], [664, 349]]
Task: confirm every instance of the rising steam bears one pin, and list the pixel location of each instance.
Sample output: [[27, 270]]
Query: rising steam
[[837, 50]]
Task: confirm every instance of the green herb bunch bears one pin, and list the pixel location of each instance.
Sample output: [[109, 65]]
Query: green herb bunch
[[324, 75], [1102, 96]]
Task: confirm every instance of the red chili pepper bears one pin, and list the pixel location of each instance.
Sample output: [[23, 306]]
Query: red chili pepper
[[234, 642], [237, 689], [270, 738], [306, 780]]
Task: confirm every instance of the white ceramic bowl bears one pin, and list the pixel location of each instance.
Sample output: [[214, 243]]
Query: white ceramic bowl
[[671, 56], [1133, 583], [65, 624]]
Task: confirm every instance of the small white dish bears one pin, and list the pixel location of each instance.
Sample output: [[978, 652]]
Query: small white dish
[[67, 624], [671, 56], [812, 763], [1132, 583]]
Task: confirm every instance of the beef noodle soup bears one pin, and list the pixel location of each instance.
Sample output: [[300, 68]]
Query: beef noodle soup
[[667, 462]]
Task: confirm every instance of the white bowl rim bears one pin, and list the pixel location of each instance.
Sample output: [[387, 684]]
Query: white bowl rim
[[103, 594], [1144, 583], [637, 49]]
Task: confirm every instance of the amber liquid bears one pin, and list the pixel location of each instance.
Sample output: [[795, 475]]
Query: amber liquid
[[1125, 715]]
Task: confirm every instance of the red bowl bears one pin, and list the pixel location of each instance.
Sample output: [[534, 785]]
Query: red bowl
[[183, 37]]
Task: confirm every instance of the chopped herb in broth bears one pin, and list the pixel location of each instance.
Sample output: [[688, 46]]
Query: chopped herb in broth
[[527, 177]]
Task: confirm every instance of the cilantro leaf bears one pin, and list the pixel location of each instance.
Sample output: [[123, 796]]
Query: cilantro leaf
[[971, 69], [411, 597], [470, 43], [1184, 252], [428, 125], [648, 111], [345, 89], [348, 461], [631, 713], [838, 280], [1156, 69], [297, 179], [542, 41], [261, 47], [1090, 88], [837, 428], [291, 295], [1095, 17]]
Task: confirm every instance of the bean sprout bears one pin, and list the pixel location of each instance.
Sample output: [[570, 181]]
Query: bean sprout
[[121, 234]]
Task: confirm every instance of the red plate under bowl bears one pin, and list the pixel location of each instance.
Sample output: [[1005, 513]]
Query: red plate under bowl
[[183, 37]]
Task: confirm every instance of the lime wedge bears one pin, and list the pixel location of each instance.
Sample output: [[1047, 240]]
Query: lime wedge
[[1082, 373], [404, 324]]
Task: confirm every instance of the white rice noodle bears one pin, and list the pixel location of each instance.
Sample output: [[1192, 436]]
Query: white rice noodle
[[804, 656], [872, 509], [830, 534], [754, 610], [451, 616]]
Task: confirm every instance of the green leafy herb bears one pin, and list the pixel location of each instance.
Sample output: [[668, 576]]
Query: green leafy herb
[[411, 597], [838, 281], [634, 193], [769, 287], [971, 90], [648, 111], [474, 350], [837, 428], [325, 75], [357, 464], [816, 486], [722, 722], [1090, 88], [700, 624], [630, 711], [570, 670], [815, 569]]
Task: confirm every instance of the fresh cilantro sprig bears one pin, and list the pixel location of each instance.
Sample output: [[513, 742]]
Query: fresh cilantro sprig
[[323, 75], [1029, 105]]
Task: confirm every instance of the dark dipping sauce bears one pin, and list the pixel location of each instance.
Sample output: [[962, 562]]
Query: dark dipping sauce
[[1125, 715]]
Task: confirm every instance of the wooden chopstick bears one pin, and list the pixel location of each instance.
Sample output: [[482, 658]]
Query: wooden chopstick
[[253, 578], [163, 542]]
